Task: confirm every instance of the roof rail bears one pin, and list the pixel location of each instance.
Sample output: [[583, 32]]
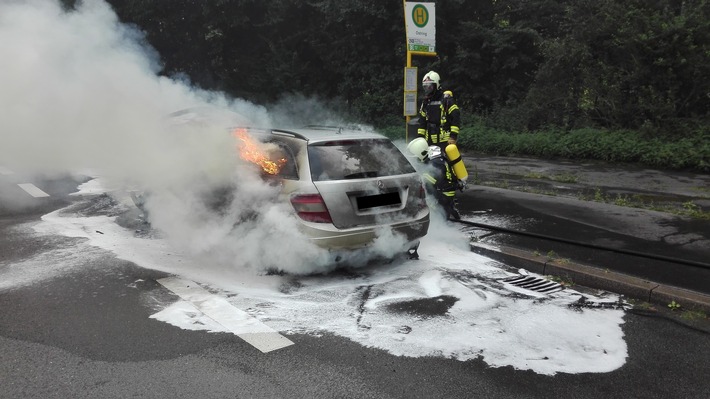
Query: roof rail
[[340, 128]]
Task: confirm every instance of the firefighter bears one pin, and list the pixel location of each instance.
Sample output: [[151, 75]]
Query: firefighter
[[439, 116], [439, 178]]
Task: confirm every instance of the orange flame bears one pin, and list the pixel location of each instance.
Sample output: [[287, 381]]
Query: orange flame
[[250, 150]]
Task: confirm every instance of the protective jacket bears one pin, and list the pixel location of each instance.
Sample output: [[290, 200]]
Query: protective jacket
[[441, 182], [439, 119]]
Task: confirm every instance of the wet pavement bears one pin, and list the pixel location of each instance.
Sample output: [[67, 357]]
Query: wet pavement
[[626, 208], [628, 185]]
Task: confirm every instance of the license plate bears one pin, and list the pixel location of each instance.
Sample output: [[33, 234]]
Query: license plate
[[375, 201]]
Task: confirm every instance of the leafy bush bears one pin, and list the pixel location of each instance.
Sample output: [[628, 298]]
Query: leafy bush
[[616, 146]]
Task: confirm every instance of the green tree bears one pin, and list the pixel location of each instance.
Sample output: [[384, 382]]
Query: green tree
[[632, 65], [521, 65]]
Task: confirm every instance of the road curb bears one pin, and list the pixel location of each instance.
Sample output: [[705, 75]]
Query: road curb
[[595, 277]]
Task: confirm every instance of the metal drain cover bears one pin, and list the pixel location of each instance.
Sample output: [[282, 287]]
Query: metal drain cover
[[536, 284]]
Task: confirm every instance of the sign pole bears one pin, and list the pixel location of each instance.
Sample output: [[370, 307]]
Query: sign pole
[[420, 29]]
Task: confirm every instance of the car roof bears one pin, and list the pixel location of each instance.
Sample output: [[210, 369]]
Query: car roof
[[311, 133], [316, 134]]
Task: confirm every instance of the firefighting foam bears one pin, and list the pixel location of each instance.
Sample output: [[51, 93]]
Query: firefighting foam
[[481, 320]]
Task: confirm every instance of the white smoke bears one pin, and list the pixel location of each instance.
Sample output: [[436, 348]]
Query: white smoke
[[81, 91]]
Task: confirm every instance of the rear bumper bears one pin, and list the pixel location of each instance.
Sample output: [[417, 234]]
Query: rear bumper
[[325, 235]]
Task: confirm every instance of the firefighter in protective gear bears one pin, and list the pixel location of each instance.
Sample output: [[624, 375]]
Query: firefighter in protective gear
[[439, 116], [440, 180]]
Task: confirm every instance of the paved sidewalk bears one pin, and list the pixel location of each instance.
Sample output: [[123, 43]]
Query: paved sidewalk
[[564, 200]]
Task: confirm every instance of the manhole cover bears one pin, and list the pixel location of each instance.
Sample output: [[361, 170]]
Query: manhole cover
[[536, 284]]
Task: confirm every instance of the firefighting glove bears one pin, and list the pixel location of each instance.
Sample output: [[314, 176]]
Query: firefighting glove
[[461, 185]]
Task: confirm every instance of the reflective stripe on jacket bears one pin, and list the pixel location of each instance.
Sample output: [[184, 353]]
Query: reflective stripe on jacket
[[439, 119], [440, 177]]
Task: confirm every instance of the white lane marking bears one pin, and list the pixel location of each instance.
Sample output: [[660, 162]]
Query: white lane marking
[[5, 171], [33, 190], [246, 327]]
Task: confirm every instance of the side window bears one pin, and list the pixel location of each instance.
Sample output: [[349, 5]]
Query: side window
[[282, 155], [273, 156]]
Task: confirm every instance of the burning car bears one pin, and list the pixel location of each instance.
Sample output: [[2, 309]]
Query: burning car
[[345, 185]]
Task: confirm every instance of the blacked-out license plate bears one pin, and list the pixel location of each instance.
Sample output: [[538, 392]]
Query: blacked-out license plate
[[374, 201]]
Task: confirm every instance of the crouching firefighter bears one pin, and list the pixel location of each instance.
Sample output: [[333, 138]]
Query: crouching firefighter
[[440, 180]]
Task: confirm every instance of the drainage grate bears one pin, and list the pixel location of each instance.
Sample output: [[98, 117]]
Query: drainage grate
[[536, 284]]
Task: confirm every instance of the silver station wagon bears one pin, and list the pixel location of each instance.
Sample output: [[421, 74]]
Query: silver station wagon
[[345, 186]]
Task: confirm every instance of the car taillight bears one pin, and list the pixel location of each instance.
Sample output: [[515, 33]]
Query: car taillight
[[311, 208]]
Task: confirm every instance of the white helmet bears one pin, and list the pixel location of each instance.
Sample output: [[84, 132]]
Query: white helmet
[[430, 83], [419, 147]]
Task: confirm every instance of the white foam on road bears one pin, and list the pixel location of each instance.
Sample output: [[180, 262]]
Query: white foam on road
[[92, 187], [536, 333], [32, 190], [484, 319]]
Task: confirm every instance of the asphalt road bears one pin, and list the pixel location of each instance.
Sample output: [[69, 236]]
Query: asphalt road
[[527, 195], [84, 330]]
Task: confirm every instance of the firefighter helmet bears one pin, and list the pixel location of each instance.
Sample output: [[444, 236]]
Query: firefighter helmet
[[430, 83], [419, 147]]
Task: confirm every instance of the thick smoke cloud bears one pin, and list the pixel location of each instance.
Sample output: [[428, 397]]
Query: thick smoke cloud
[[80, 91]]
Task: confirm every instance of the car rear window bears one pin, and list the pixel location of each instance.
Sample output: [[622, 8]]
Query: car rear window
[[356, 159]]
